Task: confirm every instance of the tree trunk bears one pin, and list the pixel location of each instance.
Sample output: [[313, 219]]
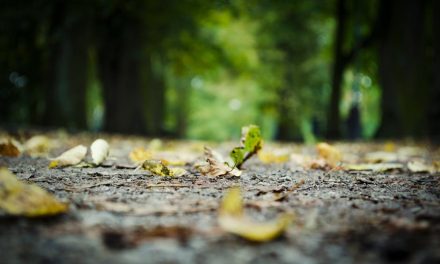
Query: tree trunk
[[119, 60], [68, 77], [155, 95], [334, 116], [183, 92], [434, 103], [288, 128], [402, 71]]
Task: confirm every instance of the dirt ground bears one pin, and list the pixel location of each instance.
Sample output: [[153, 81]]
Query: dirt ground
[[122, 215]]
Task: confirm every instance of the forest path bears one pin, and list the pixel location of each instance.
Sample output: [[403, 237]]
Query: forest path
[[122, 215]]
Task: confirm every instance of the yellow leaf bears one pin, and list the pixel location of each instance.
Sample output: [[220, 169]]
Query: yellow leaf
[[157, 167], [139, 155], [268, 157], [389, 146], [216, 165], [329, 153], [232, 203], [418, 166], [99, 150], [8, 148], [232, 220], [37, 145], [378, 167], [71, 157], [169, 162], [380, 156], [21, 199]]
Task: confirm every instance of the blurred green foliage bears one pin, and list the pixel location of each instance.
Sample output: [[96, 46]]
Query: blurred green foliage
[[198, 69]]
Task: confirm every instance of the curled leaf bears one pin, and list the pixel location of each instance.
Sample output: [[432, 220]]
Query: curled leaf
[[329, 153], [216, 165], [21, 199], [232, 219], [71, 157], [99, 150], [250, 144], [157, 167]]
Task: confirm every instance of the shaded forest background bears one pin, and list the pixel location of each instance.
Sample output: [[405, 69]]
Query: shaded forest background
[[300, 70]]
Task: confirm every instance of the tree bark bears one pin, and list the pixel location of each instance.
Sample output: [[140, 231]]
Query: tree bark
[[402, 72], [119, 59], [67, 73], [334, 116], [434, 103], [155, 94]]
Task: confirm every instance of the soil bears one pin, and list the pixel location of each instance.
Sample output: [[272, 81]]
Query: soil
[[122, 215]]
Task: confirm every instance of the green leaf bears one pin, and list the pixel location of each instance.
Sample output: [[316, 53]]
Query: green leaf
[[251, 143], [251, 138]]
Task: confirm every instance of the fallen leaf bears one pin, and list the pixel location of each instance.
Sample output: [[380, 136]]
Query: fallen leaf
[[139, 155], [380, 156], [377, 167], [170, 162], [232, 219], [99, 150], [157, 167], [21, 199], [299, 159], [251, 143], [155, 144], [417, 166], [216, 165], [389, 146], [329, 153], [275, 156], [37, 145], [8, 148], [71, 157]]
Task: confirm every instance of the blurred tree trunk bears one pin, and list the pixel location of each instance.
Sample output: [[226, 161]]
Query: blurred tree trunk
[[434, 103], [68, 60], [183, 92], [119, 60], [402, 71], [334, 116], [288, 128], [154, 94]]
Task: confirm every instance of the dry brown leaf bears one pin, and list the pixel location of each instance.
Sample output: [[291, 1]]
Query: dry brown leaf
[[329, 153], [71, 157], [21, 199], [216, 165], [8, 148], [99, 150], [232, 219]]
